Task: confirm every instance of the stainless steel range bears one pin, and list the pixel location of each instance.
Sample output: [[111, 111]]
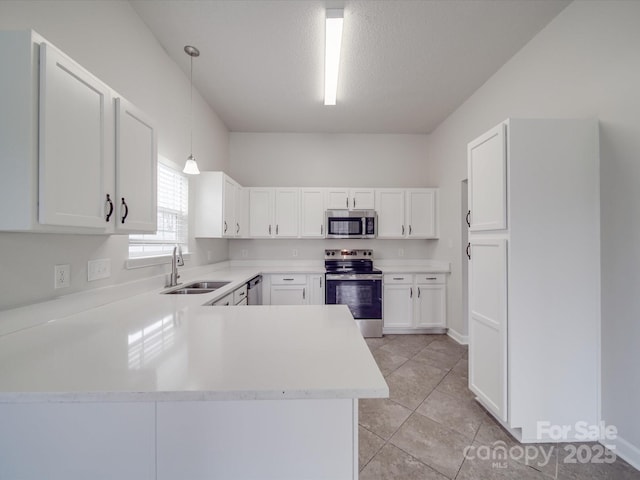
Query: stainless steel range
[[351, 280]]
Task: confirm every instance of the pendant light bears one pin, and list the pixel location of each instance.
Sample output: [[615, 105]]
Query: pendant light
[[191, 166]]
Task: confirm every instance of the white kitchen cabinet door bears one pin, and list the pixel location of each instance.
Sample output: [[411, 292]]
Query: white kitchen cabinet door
[[316, 289], [362, 199], [75, 164], [488, 323], [430, 306], [487, 170], [312, 212], [136, 170], [242, 212], [337, 198], [289, 295], [229, 227], [398, 306], [286, 212], [391, 213], [260, 212], [421, 220]]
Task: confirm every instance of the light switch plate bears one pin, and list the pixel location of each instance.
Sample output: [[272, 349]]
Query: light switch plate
[[62, 278], [98, 269]]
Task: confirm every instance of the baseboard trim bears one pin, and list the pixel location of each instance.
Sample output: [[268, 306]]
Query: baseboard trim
[[461, 339], [625, 450]]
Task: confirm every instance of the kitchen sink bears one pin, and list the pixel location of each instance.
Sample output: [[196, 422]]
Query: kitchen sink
[[204, 284], [197, 287]]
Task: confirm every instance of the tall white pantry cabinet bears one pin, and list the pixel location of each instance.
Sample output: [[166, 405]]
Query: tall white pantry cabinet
[[534, 274]]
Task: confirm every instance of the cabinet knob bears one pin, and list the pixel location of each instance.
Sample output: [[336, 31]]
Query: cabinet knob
[[418, 292], [126, 210], [410, 292], [277, 229], [304, 293], [269, 229], [409, 229], [237, 228], [225, 227], [402, 229]]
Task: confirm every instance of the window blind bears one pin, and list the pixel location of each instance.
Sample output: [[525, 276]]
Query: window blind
[[173, 219]]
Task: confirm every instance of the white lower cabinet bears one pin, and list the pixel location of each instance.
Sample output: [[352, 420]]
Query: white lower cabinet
[[414, 303], [316, 289], [289, 290]]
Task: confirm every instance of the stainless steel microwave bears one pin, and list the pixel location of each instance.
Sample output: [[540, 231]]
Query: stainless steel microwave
[[351, 224]]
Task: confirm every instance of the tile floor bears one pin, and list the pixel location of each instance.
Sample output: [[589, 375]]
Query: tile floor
[[422, 429]]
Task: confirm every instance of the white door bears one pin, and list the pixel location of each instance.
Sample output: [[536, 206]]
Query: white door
[[289, 295], [136, 170], [75, 166], [391, 213], [487, 169], [312, 213], [398, 306], [430, 303], [242, 212], [337, 198], [488, 323], [421, 213], [229, 227], [260, 212], [362, 199], [286, 212]]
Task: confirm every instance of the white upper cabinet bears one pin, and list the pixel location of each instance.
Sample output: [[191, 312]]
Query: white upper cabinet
[[487, 169], [136, 169], [75, 124], [61, 136], [273, 212], [286, 212], [391, 213], [218, 206], [407, 213], [261, 212], [242, 212], [352, 199], [312, 212]]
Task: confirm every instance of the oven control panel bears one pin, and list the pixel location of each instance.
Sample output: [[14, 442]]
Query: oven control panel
[[344, 254]]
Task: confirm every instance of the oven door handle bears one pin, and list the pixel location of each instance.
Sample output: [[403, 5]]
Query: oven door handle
[[358, 276]]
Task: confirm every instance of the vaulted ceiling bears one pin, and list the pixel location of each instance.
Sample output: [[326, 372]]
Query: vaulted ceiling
[[405, 66]]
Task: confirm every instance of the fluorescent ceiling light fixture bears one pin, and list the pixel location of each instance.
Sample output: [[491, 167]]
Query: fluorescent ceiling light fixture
[[333, 40]]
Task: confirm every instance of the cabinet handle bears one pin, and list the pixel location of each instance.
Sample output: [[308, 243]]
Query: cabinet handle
[[126, 210], [304, 293], [354, 202], [468, 222], [321, 229], [409, 229], [269, 229], [418, 292], [431, 278], [402, 229], [468, 247], [237, 228], [411, 292], [398, 278], [242, 294], [110, 203], [225, 227], [277, 229], [320, 282], [288, 279], [347, 199]]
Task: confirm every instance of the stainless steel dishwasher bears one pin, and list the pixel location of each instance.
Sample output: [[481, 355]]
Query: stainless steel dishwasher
[[254, 295]]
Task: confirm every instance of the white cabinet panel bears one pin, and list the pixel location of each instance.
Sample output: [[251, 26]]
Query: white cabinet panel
[[242, 212], [289, 295], [488, 323], [421, 220], [136, 170], [398, 306], [229, 227], [316, 289], [430, 305], [312, 212], [414, 303], [75, 124], [391, 213], [216, 205], [286, 212], [77, 441], [337, 198], [260, 212], [351, 198], [487, 157]]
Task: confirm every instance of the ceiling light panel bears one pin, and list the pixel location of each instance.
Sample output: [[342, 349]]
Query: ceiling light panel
[[333, 41]]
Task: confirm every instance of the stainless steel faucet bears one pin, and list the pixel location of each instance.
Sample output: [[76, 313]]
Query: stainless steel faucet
[[176, 261]]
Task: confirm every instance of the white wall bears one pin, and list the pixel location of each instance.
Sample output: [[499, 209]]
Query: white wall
[[110, 40], [329, 160], [585, 63]]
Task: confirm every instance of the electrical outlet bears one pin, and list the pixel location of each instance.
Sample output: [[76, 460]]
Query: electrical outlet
[[98, 269], [62, 277], [295, 252], [401, 252]]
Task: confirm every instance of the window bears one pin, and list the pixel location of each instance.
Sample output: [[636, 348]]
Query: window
[[173, 206]]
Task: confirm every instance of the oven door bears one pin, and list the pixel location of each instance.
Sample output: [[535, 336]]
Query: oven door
[[362, 293]]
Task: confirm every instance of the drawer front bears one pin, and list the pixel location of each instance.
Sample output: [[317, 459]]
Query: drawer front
[[398, 278], [239, 294], [225, 301], [430, 278], [288, 279]]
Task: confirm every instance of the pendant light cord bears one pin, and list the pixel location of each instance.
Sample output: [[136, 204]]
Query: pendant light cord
[[191, 109]]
